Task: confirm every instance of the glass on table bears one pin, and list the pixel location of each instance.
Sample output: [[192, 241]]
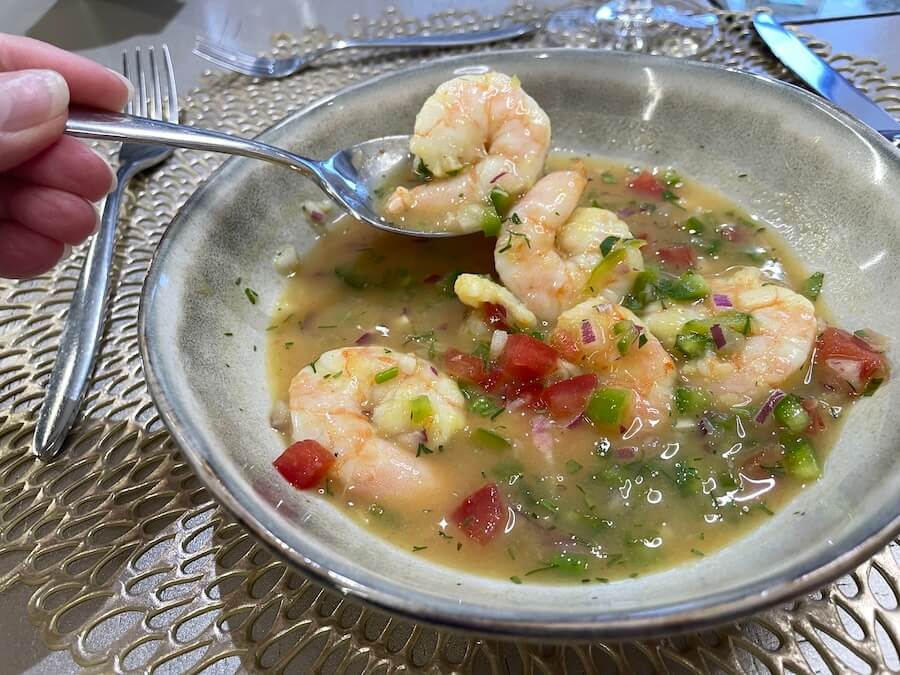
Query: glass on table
[[678, 28]]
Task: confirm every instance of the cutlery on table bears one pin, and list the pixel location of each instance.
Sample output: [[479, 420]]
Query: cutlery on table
[[821, 77], [80, 337], [351, 177], [256, 66]]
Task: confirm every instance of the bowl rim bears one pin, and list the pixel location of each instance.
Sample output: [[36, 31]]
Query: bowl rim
[[384, 594]]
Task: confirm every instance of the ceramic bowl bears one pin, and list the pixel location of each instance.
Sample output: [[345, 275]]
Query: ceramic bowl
[[828, 184]]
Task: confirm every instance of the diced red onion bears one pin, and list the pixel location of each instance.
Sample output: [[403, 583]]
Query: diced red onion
[[574, 422], [628, 453], [498, 342], [587, 332], [626, 212], [364, 339], [705, 427], [498, 176], [718, 335], [317, 216], [721, 300], [431, 279], [541, 433], [769, 405]]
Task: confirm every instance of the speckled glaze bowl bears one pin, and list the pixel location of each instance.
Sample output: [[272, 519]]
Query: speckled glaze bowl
[[830, 186]]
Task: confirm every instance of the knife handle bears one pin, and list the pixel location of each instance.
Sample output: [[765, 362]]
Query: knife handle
[[80, 337]]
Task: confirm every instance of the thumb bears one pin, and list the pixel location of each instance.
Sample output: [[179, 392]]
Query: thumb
[[33, 107]]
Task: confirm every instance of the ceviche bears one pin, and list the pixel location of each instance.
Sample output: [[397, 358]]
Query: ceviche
[[622, 372]]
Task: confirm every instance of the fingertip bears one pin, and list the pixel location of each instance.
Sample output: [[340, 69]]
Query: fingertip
[[129, 87]]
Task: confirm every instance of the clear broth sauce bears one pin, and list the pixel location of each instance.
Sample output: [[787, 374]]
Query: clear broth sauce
[[594, 509]]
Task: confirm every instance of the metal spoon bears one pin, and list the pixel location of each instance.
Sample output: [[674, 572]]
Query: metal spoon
[[349, 177]]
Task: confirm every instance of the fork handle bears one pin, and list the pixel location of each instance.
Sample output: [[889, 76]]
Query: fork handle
[[80, 338], [446, 40], [124, 128]]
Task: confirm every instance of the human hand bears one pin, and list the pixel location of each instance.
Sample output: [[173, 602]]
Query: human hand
[[47, 180]]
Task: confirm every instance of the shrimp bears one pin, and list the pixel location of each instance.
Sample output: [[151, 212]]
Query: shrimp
[[475, 290], [548, 250], [372, 407], [607, 339], [474, 134], [783, 330]]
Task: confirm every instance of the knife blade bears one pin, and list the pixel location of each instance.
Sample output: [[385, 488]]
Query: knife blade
[[824, 79]]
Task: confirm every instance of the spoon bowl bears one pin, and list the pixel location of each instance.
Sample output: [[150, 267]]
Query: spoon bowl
[[350, 177]]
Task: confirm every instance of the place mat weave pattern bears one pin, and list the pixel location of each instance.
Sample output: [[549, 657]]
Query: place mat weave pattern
[[126, 562]]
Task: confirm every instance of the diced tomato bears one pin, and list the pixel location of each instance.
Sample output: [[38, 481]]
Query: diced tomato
[[465, 366], [495, 315], [816, 419], [850, 360], [481, 514], [646, 183], [567, 399], [304, 464], [526, 358], [530, 393], [677, 256]]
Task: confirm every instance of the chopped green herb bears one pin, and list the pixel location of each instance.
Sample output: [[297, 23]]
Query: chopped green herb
[[515, 219], [573, 467], [421, 170], [508, 244], [673, 199], [228, 334], [671, 178], [515, 580], [694, 225], [416, 549], [252, 295], [687, 478], [698, 553], [607, 178], [351, 277], [812, 287], [387, 374], [288, 345], [607, 244]]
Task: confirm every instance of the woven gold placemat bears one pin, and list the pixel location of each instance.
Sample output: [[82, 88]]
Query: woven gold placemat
[[128, 564]]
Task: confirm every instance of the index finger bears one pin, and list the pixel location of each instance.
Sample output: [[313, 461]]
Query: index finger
[[89, 83]]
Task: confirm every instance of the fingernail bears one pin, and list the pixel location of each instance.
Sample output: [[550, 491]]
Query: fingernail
[[113, 181], [96, 220], [67, 251], [126, 81], [31, 97]]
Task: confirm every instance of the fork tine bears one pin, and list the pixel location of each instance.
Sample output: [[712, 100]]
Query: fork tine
[[222, 54], [142, 84], [171, 114], [226, 64], [130, 108], [156, 111]]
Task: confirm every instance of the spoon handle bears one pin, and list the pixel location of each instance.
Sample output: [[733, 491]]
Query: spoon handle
[[108, 126]]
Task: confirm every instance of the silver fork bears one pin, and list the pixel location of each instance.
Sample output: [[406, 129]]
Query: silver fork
[[84, 324], [262, 66]]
